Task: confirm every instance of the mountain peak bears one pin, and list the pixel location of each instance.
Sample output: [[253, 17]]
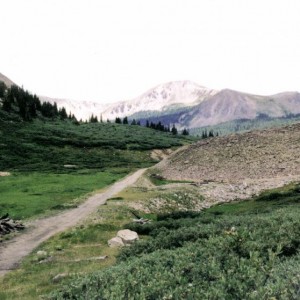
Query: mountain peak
[[172, 94]]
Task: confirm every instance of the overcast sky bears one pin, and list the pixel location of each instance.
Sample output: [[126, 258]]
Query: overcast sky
[[115, 50]]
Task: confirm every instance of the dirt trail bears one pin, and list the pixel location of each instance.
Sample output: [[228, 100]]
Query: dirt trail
[[13, 251]]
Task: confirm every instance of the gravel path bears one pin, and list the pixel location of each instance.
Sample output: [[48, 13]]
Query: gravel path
[[13, 251]]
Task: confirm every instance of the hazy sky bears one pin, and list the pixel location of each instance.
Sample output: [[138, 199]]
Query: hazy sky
[[117, 49]]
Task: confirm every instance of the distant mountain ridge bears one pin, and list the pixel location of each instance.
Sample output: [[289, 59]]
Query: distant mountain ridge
[[6, 80], [186, 104]]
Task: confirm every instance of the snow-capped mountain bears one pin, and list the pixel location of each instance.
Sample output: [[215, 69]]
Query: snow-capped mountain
[[169, 96], [185, 104]]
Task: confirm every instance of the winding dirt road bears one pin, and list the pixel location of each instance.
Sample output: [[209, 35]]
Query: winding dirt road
[[13, 251]]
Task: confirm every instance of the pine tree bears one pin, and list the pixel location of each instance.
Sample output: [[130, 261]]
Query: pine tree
[[174, 130], [185, 132], [2, 89], [62, 113], [211, 133], [125, 120]]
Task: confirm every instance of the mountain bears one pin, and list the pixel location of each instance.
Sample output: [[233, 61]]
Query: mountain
[[163, 98], [160, 100], [187, 105], [229, 105], [6, 80]]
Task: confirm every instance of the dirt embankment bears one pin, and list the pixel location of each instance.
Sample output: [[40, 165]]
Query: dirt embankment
[[238, 165]]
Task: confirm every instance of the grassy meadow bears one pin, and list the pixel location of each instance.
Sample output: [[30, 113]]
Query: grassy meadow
[[26, 195]]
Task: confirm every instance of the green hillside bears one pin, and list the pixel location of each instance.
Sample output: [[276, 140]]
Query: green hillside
[[44, 145]]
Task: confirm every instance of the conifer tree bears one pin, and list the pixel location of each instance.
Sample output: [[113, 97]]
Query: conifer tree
[[174, 130]]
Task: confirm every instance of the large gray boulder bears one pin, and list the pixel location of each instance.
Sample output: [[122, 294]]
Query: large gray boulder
[[128, 236]]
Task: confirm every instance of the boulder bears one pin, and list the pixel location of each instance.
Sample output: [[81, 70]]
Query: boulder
[[115, 242], [128, 236]]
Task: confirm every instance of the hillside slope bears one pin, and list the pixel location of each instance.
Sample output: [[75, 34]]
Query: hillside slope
[[238, 165]]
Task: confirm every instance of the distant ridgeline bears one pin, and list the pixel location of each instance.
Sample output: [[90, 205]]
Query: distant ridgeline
[[27, 106]]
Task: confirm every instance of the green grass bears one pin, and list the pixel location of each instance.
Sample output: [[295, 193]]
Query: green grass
[[49, 145], [37, 153], [266, 202], [232, 251], [89, 239], [25, 195]]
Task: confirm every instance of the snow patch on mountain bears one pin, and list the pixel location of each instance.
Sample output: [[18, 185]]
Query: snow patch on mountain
[[161, 98]]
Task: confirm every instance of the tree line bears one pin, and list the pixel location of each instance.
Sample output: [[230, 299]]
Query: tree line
[[16, 100], [156, 126]]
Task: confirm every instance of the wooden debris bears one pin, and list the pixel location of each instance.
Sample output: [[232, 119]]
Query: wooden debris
[[8, 225], [139, 219]]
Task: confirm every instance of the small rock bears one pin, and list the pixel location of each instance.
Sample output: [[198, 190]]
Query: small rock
[[47, 260], [70, 166], [41, 253], [128, 236], [59, 277], [115, 242]]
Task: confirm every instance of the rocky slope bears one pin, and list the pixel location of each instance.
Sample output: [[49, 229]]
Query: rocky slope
[[238, 165]]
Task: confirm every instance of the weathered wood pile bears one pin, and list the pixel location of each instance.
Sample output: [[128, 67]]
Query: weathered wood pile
[[8, 225]]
